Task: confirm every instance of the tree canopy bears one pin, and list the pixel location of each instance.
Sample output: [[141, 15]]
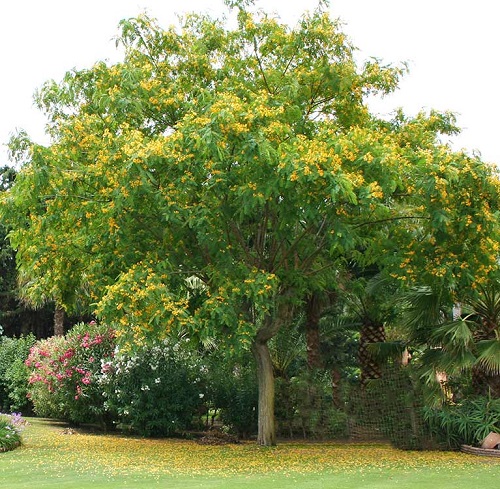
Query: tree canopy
[[217, 176]]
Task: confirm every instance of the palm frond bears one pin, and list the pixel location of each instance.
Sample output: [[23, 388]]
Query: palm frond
[[457, 361], [487, 305], [454, 334], [421, 311], [379, 284], [489, 356], [333, 326], [432, 358], [387, 350], [285, 349], [210, 344], [443, 360]]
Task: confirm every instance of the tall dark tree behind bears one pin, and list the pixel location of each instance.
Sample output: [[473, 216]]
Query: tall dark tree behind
[[15, 317]]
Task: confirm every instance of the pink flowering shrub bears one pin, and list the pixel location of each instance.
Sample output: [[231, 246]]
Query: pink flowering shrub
[[64, 373]]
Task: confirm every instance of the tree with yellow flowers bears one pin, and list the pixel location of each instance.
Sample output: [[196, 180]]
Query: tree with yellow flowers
[[216, 177]]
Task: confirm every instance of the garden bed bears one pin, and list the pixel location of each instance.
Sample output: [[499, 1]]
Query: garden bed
[[484, 452]]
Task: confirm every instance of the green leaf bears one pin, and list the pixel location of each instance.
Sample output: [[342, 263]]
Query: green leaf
[[489, 356]]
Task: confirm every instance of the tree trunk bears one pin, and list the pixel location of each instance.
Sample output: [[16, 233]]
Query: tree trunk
[[265, 375], [484, 383], [266, 424], [336, 379], [494, 386], [313, 315], [370, 333], [59, 321]]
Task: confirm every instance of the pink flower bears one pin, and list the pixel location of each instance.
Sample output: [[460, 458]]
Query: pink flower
[[106, 367]]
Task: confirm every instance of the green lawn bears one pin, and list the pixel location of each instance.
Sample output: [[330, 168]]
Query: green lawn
[[50, 458]]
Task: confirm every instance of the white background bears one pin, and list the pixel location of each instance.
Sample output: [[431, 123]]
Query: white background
[[451, 47]]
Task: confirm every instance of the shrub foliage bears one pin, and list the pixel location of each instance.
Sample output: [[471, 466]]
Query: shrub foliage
[[467, 422], [155, 391], [65, 370], [11, 427], [14, 373]]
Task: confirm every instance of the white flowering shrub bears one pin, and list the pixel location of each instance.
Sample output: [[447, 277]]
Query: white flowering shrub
[[155, 391]]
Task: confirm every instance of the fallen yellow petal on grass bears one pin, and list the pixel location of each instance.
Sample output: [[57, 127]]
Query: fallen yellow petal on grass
[[114, 454]]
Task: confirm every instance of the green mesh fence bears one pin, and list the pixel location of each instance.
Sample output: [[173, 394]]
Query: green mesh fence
[[388, 408]]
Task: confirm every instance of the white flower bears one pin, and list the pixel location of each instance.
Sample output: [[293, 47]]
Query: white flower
[[158, 380], [201, 395]]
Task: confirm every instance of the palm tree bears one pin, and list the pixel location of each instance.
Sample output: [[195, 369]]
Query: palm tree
[[484, 324], [454, 345], [370, 303]]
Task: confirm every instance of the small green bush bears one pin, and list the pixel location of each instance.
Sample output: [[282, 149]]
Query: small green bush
[[240, 413], [14, 374], [231, 391], [11, 427], [16, 380]]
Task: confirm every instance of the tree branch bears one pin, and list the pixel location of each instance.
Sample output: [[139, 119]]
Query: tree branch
[[388, 219], [261, 68]]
